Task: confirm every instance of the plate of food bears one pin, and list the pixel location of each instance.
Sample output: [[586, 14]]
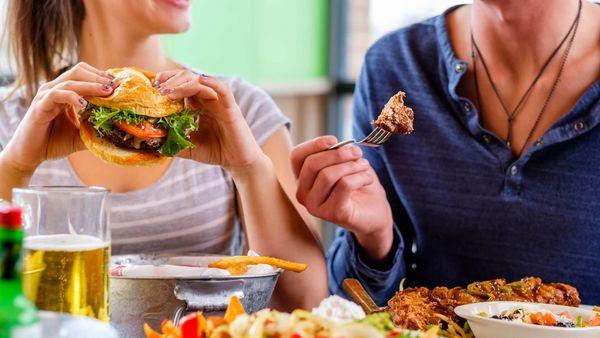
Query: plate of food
[[420, 308], [524, 320], [333, 318]]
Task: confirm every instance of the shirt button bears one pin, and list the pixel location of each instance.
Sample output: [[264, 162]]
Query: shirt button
[[459, 68], [467, 107], [579, 126], [538, 143], [414, 266], [487, 139], [514, 170]]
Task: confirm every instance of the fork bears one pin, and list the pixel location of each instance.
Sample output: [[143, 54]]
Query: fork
[[376, 138]]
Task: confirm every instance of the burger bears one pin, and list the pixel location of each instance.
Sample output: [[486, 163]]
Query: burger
[[136, 125]]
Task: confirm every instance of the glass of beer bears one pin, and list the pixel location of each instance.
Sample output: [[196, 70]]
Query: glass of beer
[[66, 248]]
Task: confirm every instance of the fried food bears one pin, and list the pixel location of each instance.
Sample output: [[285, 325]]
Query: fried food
[[234, 309], [237, 265], [395, 116], [417, 308]]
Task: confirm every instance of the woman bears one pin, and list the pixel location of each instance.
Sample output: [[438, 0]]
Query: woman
[[486, 187], [186, 205]]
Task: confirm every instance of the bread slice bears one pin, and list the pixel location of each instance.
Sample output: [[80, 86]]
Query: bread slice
[[113, 154], [136, 93]]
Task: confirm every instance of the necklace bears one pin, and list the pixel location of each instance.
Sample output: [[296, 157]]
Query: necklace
[[475, 51]]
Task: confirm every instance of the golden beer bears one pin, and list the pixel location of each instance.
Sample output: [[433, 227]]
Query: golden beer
[[67, 273]]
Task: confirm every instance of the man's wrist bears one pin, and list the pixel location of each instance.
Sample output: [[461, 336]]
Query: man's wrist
[[377, 245]]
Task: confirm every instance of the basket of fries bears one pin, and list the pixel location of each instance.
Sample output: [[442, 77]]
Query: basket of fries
[[149, 288]]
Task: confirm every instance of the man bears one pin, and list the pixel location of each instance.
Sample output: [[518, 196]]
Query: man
[[500, 177]]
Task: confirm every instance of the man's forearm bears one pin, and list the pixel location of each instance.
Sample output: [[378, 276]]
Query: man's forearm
[[11, 177]]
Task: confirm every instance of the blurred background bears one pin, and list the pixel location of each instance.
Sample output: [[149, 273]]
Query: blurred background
[[306, 53]]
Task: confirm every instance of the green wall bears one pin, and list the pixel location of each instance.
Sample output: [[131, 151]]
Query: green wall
[[264, 41]]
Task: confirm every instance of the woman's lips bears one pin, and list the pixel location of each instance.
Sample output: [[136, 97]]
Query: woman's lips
[[183, 4]]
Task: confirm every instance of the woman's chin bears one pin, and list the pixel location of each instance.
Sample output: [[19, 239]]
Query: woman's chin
[[173, 26]]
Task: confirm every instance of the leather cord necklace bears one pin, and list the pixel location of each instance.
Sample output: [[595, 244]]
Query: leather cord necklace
[[476, 52]]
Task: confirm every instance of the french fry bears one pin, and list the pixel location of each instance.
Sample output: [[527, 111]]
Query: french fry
[[167, 327], [151, 333], [234, 309], [202, 325], [237, 270], [235, 261]]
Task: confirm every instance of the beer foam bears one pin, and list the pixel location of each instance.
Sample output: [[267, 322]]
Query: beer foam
[[64, 243]]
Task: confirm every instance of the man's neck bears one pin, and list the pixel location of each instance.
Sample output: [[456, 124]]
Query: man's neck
[[521, 34], [106, 47]]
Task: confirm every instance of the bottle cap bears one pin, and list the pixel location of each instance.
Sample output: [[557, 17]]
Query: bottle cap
[[10, 218]]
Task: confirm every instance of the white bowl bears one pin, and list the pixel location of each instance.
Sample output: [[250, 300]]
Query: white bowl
[[493, 328]]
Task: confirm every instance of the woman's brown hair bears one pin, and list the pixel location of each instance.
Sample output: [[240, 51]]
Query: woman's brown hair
[[43, 39]]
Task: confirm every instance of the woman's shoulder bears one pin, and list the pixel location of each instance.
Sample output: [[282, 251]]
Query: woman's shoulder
[[11, 96], [245, 93], [260, 110], [12, 109]]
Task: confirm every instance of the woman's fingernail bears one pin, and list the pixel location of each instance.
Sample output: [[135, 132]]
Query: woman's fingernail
[[83, 102], [363, 162], [156, 84], [106, 87], [355, 151], [166, 91], [204, 76], [109, 75]]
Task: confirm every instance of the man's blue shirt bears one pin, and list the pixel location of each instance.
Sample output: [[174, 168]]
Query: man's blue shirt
[[464, 208]]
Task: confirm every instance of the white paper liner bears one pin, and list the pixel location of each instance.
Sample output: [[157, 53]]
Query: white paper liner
[[185, 267]]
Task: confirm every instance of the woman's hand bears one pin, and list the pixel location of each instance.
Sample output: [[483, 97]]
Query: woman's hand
[[49, 129], [340, 186], [224, 138]]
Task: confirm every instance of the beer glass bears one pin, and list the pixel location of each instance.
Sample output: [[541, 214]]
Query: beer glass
[[66, 248]]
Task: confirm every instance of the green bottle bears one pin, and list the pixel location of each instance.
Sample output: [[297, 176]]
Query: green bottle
[[18, 317]]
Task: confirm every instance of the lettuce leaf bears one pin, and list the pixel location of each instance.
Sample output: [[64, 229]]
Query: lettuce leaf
[[178, 126]]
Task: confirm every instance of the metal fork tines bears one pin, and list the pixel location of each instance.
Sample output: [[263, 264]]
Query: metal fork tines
[[376, 138]]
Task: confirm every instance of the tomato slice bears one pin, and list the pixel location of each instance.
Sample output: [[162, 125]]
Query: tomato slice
[[145, 130]]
